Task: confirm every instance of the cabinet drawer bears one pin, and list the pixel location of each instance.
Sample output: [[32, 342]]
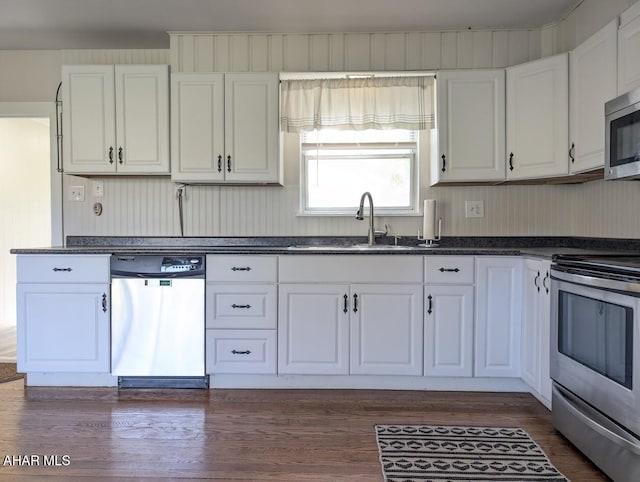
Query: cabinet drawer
[[63, 268], [242, 268], [241, 306], [448, 269], [241, 351]]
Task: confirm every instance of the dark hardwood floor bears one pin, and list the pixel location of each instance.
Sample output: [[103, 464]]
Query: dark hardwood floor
[[241, 435]]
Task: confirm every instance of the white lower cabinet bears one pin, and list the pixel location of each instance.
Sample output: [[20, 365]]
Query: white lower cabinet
[[536, 323], [386, 329], [448, 318], [241, 314], [63, 314], [313, 329], [497, 316], [338, 316], [448, 331]]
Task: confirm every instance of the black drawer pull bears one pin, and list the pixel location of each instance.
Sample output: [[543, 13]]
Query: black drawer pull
[[62, 269], [104, 302], [449, 270], [240, 306], [345, 308], [430, 307], [355, 303], [241, 352], [219, 163], [241, 268]]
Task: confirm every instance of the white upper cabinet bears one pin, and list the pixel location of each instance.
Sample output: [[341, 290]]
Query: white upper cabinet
[[225, 128], [592, 82], [116, 119], [471, 126], [629, 50], [537, 119]]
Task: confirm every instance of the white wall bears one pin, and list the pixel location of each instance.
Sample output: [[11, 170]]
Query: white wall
[[148, 207], [25, 214]]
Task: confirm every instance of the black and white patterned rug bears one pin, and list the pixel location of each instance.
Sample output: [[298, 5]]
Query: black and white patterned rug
[[442, 452]]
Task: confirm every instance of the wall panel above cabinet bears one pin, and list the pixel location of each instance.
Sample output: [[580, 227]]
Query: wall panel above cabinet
[[115, 119]]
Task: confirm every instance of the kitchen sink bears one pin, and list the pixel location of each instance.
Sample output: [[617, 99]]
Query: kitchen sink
[[351, 247]]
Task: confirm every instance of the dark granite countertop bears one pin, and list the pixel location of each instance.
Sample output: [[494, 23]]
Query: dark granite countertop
[[538, 246]]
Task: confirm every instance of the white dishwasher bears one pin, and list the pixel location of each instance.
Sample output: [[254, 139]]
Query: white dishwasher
[[158, 321]]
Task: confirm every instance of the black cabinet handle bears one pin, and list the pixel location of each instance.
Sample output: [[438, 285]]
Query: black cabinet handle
[[62, 269], [111, 155], [535, 281], [449, 270], [430, 306], [572, 151], [120, 155], [245, 307], [241, 352], [241, 268], [104, 302], [345, 308], [511, 161], [355, 303], [219, 163], [544, 282], [229, 163], [444, 163]]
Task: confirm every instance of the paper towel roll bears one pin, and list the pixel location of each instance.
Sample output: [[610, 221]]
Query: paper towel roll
[[429, 221]]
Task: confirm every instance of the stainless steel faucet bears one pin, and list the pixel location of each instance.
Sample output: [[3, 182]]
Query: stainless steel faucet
[[360, 215]]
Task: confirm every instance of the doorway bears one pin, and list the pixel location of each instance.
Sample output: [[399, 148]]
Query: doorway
[[30, 199]]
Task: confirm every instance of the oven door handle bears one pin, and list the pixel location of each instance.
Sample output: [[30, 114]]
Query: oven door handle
[[596, 281], [613, 433]]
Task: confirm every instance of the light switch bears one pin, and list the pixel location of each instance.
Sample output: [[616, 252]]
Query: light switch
[[76, 193], [474, 209]]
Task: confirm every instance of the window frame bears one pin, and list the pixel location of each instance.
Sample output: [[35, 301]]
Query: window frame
[[412, 210]]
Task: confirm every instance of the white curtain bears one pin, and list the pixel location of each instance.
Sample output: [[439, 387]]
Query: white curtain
[[357, 103]]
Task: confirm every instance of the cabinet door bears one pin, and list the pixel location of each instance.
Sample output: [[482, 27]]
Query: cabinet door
[[88, 102], [313, 329], [251, 128], [448, 331], [386, 329], [63, 327], [593, 81], [629, 50], [471, 126], [497, 316], [142, 119], [197, 127], [531, 342], [537, 119], [545, 332]]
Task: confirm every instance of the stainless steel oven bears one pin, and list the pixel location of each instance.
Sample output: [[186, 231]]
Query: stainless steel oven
[[595, 363]]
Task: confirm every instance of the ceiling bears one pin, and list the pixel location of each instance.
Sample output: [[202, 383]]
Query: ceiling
[[64, 24]]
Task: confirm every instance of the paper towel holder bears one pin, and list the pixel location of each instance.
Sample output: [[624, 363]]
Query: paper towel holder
[[431, 243]]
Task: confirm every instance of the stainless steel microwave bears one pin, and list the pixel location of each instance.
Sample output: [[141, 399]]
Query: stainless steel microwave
[[622, 136]]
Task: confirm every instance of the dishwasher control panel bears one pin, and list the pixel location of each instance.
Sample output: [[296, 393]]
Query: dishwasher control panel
[[177, 264], [140, 266]]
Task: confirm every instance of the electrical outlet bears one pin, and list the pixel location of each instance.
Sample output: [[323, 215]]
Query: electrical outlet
[[76, 193], [98, 188], [474, 209]]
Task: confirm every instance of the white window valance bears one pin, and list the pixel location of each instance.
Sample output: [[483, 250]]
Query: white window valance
[[357, 103]]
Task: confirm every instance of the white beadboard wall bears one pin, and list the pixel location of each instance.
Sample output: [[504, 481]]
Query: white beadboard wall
[[147, 206]]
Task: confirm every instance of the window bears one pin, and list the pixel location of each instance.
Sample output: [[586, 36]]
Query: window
[[339, 165]]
